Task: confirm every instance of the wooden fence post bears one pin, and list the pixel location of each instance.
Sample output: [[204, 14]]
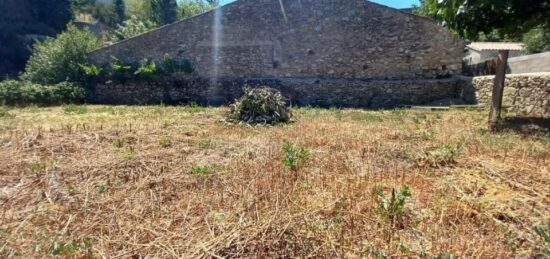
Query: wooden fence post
[[498, 89]]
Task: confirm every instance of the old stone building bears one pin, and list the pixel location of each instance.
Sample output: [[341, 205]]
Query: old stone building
[[285, 43]]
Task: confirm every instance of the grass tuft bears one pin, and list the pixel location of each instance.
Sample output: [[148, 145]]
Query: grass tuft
[[295, 157], [74, 109], [201, 170]]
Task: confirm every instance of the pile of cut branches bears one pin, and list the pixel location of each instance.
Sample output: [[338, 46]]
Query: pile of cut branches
[[260, 106]]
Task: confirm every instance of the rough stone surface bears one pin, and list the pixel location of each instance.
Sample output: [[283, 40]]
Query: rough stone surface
[[352, 39], [524, 93], [300, 91]]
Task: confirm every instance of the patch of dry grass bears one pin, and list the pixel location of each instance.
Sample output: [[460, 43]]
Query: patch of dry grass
[[118, 182]]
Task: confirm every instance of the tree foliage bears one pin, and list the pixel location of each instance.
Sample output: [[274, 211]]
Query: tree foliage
[[133, 27], [82, 6], [537, 40], [105, 13], [164, 11], [469, 18], [120, 11], [424, 10], [190, 8], [139, 8], [60, 59]]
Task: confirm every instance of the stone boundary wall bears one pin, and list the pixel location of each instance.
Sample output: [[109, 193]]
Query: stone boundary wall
[[524, 93], [529, 64], [300, 91], [353, 39], [536, 63]]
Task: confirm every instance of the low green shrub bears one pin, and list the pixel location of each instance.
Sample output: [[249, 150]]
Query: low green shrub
[[443, 156], [23, 93], [392, 208], [91, 70], [60, 59], [201, 170], [193, 107], [5, 112], [127, 153], [147, 69], [74, 109], [295, 157], [165, 141]]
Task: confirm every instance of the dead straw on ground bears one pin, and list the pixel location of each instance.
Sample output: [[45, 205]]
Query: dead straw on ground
[[172, 182]]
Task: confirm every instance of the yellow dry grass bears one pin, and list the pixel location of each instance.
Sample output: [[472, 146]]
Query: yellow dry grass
[[162, 182]]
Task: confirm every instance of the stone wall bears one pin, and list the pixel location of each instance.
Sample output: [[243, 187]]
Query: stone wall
[[524, 93], [529, 64], [353, 39], [300, 91], [535, 63]]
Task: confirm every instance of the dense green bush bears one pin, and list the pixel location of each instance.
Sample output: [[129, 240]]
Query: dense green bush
[[60, 59], [147, 69], [537, 40], [25, 93]]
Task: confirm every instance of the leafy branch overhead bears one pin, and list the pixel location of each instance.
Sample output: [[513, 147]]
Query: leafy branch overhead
[[469, 18]]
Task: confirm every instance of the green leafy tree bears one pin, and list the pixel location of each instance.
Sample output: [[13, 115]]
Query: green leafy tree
[[120, 11], [82, 6], [105, 13], [60, 59], [424, 10], [139, 8], [133, 27], [164, 11], [537, 40], [510, 18], [469, 18], [190, 8]]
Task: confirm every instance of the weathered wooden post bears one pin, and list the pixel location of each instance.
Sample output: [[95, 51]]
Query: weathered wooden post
[[498, 90]]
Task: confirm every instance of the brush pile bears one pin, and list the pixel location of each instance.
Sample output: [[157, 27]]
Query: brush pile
[[260, 106]]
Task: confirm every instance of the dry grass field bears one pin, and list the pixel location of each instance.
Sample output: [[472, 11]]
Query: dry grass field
[[167, 182]]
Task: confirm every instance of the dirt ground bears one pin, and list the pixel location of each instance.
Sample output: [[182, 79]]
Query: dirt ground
[[162, 182]]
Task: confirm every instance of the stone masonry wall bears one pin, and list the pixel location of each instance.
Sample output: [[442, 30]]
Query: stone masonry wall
[[525, 93], [353, 39], [300, 91]]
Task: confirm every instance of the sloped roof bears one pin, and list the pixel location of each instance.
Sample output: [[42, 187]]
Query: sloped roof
[[481, 46]]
